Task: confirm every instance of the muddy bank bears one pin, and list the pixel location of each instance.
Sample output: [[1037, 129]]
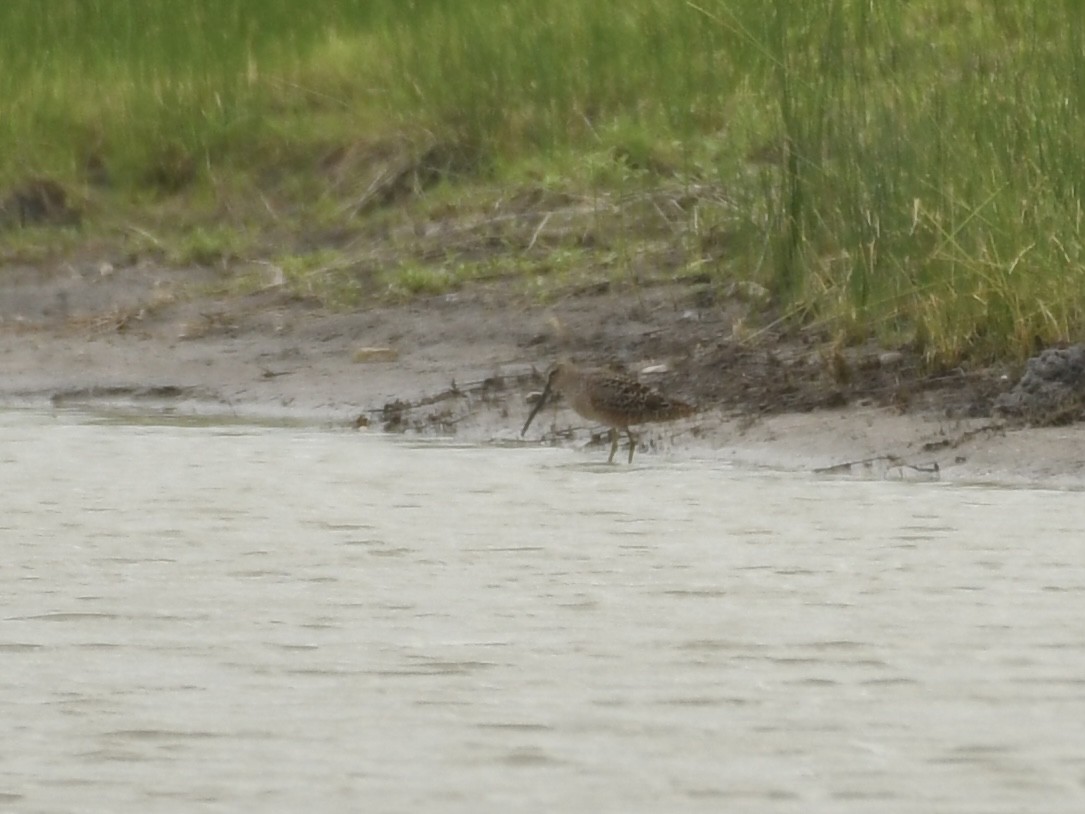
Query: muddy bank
[[463, 364]]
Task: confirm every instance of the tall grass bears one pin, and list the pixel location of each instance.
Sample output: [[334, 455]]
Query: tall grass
[[928, 177], [152, 85], [210, 77], [537, 74], [932, 189]]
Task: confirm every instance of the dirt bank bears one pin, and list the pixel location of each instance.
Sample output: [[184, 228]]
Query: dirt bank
[[86, 332]]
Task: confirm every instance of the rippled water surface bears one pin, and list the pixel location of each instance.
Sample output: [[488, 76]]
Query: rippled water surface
[[245, 618]]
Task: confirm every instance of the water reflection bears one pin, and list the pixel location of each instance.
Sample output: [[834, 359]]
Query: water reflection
[[284, 616]]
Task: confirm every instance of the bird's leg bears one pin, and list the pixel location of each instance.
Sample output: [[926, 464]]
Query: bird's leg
[[632, 443], [613, 444]]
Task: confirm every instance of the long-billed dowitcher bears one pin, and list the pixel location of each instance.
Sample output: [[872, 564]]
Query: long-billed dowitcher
[[610, 398]]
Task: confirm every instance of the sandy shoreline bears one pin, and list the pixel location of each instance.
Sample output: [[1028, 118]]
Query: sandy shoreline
[[459, 365]]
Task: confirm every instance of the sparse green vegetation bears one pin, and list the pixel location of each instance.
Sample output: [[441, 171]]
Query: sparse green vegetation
[[326, 275], [207, 246], [910, 172]]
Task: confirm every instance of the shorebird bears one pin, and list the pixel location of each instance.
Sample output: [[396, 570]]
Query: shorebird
[[610, 398]]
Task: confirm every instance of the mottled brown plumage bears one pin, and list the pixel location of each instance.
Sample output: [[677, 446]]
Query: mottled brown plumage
[[611, 399]]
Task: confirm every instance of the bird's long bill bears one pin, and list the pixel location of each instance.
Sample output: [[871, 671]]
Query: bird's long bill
[[538, 406]]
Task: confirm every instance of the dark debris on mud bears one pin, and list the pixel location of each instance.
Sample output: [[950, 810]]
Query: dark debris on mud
[[732, 378], [443, 411], [1050, 392]]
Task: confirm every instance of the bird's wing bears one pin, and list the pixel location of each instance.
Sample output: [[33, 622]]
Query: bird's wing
[[641, 399]]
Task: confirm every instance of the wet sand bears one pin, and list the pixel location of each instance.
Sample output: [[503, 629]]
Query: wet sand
[[148, 338]]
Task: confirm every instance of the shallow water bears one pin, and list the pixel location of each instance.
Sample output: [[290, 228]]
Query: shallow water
[[245, 618]]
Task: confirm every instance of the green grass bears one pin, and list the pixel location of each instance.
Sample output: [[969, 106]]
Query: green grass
[[909, 172], [932, 188]]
